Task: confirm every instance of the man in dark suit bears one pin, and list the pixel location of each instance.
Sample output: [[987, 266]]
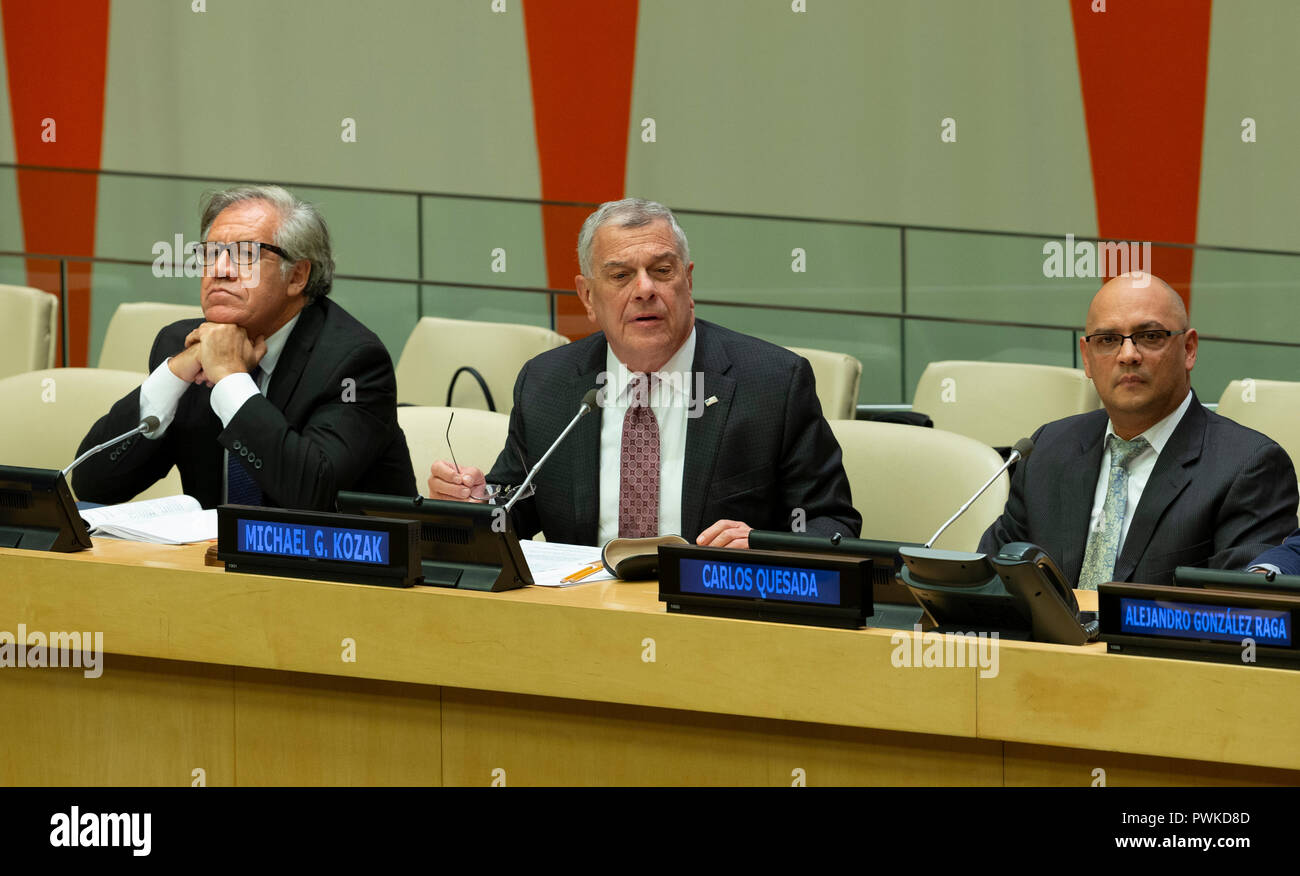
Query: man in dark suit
[[1153, 481], [698, 431], [278, 396]]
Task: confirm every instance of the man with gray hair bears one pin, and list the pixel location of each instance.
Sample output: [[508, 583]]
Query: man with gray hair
[[277, 396], [699, 431]]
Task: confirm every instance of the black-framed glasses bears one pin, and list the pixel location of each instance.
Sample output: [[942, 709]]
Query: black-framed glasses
[[1148, 340], [242, 252]]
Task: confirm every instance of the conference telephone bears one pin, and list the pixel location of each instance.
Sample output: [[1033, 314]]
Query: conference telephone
[[1017, 591], [1032, 577]]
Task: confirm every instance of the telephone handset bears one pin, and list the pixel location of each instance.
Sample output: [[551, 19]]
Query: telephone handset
[[1045, 596]]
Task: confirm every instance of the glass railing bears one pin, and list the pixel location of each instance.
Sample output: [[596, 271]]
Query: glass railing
[[894, 296]]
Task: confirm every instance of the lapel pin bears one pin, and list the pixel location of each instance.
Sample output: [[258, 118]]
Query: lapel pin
[[711, 400]]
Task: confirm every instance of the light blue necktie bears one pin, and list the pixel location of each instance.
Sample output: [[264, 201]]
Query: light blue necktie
[[1103, 542]]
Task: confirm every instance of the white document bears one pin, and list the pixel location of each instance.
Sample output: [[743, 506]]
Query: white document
[[549, 562], [169, 520]]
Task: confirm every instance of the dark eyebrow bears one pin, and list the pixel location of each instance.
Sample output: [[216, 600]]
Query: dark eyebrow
[[1141, 327]]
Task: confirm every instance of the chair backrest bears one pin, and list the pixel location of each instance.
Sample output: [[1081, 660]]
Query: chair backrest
[[133, 328], [55, 408], [1268, 406], [999, 403], [907, 481], [31, 321], [837, 376], [497, 350], [477, 437]]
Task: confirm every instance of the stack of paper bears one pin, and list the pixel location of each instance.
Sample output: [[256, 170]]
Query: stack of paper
[[551, 562], [170, 520]]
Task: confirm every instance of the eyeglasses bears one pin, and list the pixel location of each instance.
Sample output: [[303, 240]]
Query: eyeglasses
[[1149, 340], [242, 252], [493, 494]]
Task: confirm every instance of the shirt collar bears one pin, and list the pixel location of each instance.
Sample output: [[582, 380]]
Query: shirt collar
[[1158, 435], [678, 364], [275, 344]]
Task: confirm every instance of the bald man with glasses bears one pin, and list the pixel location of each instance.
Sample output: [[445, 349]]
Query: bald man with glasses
[[1154, 481]]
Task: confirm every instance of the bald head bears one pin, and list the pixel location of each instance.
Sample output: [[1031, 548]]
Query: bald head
[[1139, 351], [1133, 292]]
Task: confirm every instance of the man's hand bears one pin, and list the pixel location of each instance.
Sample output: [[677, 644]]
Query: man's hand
[[726, 533], [186, 365], [463, 486], [225, 349]]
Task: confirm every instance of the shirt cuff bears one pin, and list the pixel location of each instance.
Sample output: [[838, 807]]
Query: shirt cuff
[[229, 395], [159, 395], [1267, 567]]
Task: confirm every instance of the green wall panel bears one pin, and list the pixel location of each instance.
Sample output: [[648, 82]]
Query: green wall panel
[[387, 309], [438, 89], [1246, 295], [753, 261], [928, 341], [462, 237], [836, 112], [1220, 362], [112, 285], [872, 340], [487, 305], [1249, 190], [992, 277], [11, 224]]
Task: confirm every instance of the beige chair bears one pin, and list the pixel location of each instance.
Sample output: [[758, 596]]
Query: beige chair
[[497, 350], [31, 329], [476, 436], [907, 480], [999, 403], [133, 328], [837, 376], [1268, 406], [52, 410]]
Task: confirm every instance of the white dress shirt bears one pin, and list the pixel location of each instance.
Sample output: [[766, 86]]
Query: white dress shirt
[[1139, 469], [670, 396], [162, 390]]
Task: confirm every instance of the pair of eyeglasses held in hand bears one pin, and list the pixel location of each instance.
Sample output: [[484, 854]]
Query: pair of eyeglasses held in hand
[[493, 494]]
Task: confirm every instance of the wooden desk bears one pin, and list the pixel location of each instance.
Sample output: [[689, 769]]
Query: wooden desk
[[245, 678]]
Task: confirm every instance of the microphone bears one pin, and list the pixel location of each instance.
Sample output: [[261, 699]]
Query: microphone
[[147, 425], [588, 402], [1021, 450]]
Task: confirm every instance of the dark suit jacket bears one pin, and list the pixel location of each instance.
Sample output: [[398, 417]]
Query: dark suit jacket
[[1219, 493], [313, 436], [763, 450], [1285, 556]]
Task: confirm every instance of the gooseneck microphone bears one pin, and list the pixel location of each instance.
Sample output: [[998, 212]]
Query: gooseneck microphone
[[1021, 450], [147, 425], [588, 402]]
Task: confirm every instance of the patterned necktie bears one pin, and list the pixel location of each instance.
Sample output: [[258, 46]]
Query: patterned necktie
[[1103, 542], [638, 489], [241, 489]]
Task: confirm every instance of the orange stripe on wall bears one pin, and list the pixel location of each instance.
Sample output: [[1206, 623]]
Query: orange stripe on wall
[[581, 55], [56, 55], [1142, 66]]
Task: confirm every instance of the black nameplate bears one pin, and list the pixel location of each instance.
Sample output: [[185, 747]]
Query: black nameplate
[[766, 585], [1226, 626], [319, 545]]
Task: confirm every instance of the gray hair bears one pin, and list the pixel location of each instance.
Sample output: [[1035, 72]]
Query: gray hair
[[628, 213], [302, 231]]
